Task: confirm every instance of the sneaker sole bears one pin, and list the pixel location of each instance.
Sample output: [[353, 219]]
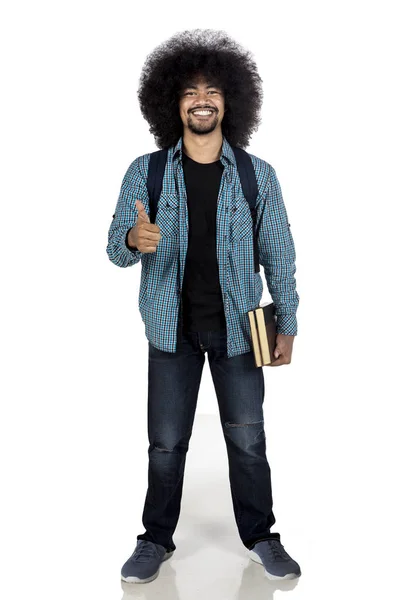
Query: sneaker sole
[[152, 577], [254, 556]]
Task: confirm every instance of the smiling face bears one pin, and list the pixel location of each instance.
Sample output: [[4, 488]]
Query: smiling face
[[201, 106]]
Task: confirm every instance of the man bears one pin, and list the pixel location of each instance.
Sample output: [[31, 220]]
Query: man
[[201, 94]]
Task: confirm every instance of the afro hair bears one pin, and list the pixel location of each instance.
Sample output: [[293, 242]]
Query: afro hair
[[222, 62]]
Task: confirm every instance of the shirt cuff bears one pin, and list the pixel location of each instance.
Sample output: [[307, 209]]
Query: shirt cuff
[[286, 324], [131, 248]]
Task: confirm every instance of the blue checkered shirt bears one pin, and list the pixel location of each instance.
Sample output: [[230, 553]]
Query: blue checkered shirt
[[162, 271]]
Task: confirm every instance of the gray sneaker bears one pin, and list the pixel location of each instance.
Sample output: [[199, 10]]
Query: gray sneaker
[[144, 564], [276, 561]]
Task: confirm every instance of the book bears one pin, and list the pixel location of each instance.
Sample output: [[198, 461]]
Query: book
[[263, 333]]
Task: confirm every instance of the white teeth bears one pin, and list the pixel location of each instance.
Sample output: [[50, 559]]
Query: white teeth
[[202, 112]]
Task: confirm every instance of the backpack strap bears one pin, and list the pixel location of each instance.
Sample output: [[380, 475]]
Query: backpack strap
[[248, 181], [250, 190], [155, 178]]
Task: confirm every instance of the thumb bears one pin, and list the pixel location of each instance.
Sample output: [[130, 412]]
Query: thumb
[[142, 211], [277, 352]]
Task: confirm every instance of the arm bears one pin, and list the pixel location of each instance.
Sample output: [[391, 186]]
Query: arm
[[278, 255], [133, 188]]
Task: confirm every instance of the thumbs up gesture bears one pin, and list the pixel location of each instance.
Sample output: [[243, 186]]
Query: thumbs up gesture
[[144, 236]]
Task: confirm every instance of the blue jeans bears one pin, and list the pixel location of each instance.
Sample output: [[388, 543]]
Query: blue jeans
[[173, 385]]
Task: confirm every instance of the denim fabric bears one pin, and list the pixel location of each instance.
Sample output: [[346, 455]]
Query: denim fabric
[[173, 385]]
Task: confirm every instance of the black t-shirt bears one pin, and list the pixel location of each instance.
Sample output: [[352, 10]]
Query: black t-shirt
[[203, 308]]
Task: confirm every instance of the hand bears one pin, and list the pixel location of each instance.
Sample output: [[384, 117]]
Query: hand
[[283, 350], [145, 236]]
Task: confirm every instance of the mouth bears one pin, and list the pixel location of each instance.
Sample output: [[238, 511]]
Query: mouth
[[203, 114]]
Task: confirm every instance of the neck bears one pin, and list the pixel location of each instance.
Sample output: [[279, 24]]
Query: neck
[[203, 148]]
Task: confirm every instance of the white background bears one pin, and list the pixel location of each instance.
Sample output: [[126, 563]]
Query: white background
[[74, 378]]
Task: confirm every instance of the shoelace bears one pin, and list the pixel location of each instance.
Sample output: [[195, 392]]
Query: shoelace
[[277, 550], [144, 551]]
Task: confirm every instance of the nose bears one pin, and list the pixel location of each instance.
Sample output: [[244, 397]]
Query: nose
[[203, 98]]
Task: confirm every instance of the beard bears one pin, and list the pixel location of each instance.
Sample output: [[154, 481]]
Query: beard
[[202, 127]]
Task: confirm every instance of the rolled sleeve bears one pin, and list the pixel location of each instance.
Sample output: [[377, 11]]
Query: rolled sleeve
[[133, 188], [277, 255]]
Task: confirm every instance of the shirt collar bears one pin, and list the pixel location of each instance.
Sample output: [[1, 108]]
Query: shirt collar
[[227, 154]]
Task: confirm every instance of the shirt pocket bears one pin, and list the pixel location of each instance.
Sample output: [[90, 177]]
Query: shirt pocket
[[167, 217], [241, 219]]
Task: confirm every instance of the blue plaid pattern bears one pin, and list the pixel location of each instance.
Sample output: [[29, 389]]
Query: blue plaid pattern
[[162, 271]]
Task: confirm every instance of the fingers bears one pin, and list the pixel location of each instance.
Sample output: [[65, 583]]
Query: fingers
[[148, 234], [142, 215], [282, 360], [276, 362]]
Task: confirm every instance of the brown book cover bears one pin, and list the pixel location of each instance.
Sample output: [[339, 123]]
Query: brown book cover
[[263, 333]]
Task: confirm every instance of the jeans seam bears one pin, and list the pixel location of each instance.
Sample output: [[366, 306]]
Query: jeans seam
[[239, 519]]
